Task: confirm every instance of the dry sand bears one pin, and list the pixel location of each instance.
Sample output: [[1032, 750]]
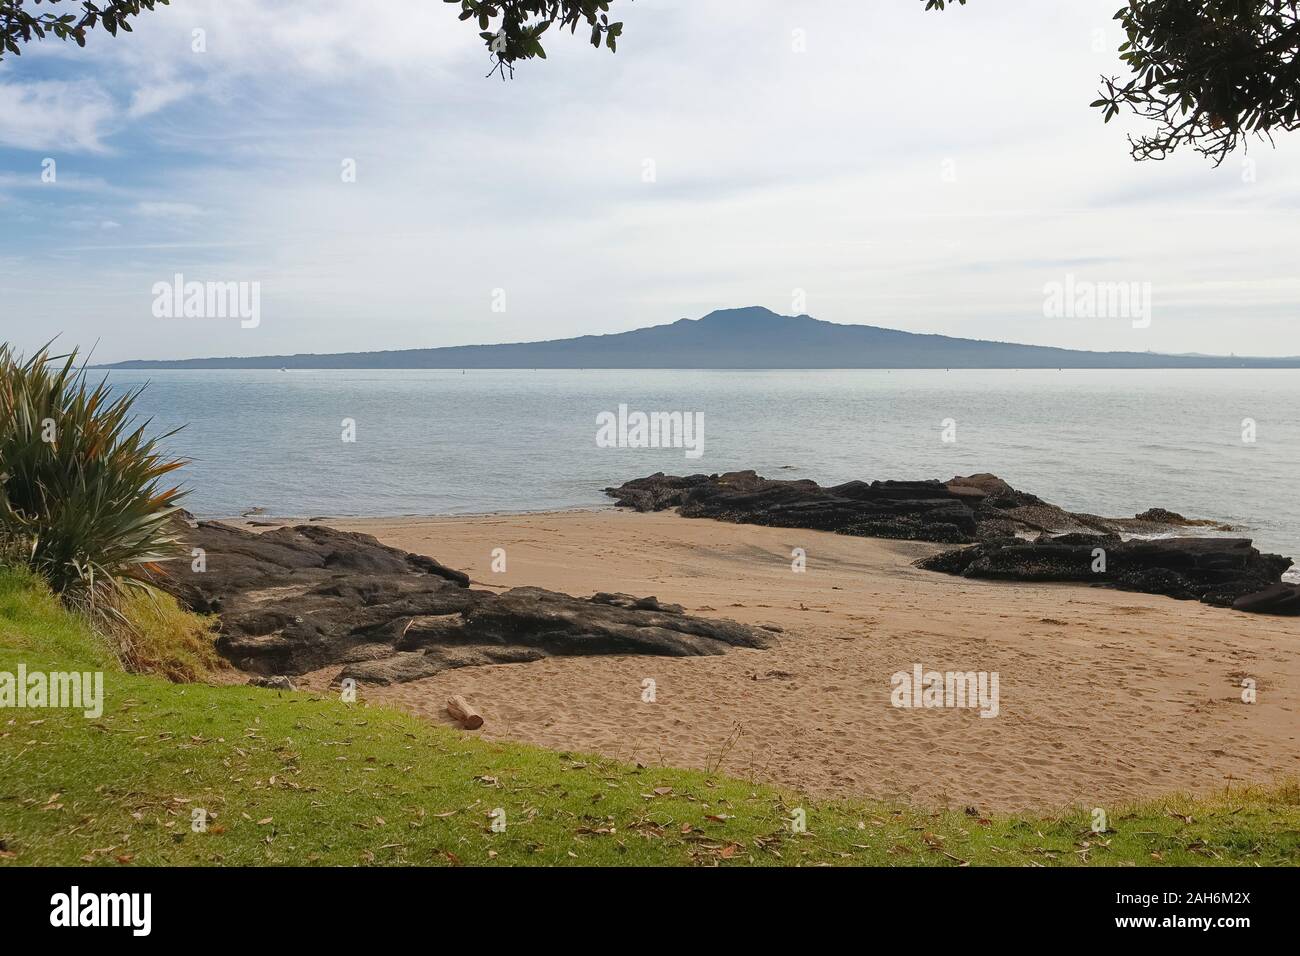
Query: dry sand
[[1104, 695]]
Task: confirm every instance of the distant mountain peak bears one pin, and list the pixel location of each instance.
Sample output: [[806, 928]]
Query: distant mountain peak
[[750, 316], [744, 312]]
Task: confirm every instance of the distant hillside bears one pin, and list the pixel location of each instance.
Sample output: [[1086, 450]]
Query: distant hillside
[[738, 338]]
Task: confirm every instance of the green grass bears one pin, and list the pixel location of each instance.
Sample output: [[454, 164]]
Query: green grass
[[293, 778], [34, 625]]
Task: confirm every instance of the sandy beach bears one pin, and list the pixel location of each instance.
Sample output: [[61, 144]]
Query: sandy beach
[[1104, 695]]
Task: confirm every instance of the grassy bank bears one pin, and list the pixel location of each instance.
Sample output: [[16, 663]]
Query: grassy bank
[[292, 778]]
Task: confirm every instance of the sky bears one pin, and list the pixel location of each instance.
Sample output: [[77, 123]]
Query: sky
[[867, 163]]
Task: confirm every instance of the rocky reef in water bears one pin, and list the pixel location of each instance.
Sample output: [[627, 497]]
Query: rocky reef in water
[[297, 599], [961, 511]]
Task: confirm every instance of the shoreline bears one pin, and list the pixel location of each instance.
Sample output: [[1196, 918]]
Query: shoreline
[[243, 519], [265, 521], [1105, 695]]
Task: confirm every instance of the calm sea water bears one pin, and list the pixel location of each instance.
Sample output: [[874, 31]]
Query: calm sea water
[[443, 442]]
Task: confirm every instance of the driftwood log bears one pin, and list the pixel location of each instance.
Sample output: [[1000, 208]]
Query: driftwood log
[[463, 713]]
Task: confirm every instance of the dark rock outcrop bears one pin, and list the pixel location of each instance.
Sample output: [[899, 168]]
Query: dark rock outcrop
[[1225, 572], [925, 510], [297, 599], [960, 511], [1280, 598]]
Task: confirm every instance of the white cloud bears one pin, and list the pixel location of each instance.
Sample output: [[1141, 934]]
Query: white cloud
[[152, 98], [314, 40], [54, 115]]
